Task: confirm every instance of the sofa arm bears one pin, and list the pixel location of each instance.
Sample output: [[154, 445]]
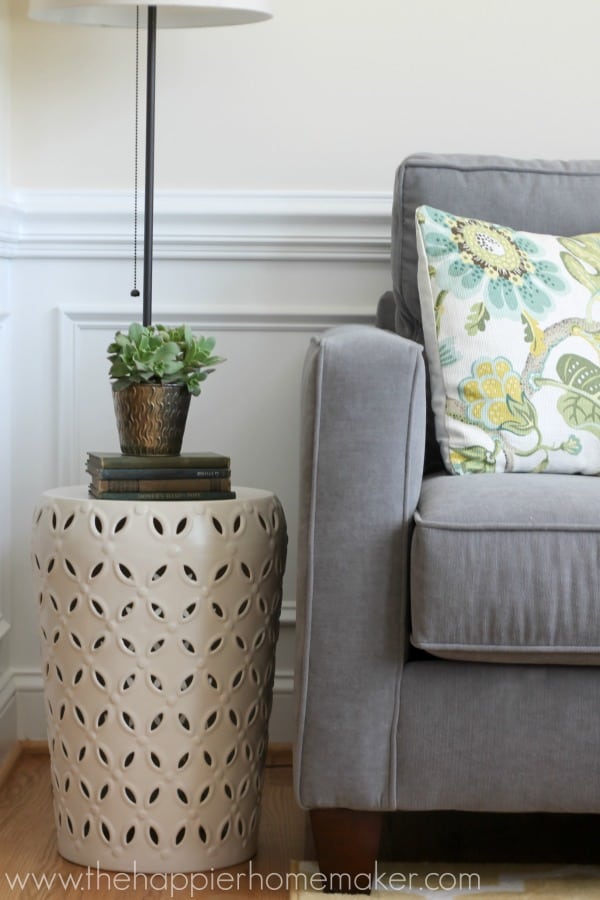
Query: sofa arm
[[363, 419]]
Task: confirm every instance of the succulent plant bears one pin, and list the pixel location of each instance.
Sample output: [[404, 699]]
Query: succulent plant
[[157, 354]]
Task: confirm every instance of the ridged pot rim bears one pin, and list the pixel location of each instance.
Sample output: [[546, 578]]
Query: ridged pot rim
[[166, 385]]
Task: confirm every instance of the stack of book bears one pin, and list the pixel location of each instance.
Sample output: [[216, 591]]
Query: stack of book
[[189, 476]]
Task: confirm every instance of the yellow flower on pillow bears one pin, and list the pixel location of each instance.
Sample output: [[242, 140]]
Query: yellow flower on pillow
[[494, 397]]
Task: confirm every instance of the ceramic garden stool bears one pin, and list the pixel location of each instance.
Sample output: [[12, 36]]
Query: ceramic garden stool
[[159, 622]]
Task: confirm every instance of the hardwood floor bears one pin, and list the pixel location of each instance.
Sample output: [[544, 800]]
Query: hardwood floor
[[27, 844]]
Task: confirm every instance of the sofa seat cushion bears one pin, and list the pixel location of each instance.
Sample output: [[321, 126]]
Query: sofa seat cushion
[[506, 568]]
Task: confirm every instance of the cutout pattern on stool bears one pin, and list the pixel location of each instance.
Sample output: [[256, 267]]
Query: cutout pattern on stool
[[158, 629]]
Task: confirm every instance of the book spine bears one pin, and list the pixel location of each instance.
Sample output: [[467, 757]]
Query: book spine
[[120, 473], [162, 495], [139, 485]]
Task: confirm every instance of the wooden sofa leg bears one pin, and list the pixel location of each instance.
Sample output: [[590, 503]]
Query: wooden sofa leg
[[346, 844]]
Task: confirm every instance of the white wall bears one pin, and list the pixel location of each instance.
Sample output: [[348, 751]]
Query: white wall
[[325, 96], [276, 150]]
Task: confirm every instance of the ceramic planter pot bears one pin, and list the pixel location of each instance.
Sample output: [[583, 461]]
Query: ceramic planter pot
[[151, 418]]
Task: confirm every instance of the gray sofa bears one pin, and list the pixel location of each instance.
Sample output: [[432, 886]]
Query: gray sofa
[[448, 627]]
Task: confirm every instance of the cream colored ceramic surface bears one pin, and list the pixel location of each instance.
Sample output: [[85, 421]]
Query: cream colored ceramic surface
[[158, 626]]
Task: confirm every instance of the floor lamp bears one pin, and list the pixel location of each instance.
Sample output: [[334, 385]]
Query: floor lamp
[[161, 13]]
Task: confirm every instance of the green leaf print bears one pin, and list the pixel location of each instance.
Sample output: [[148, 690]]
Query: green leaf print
[[582, 261], [580, 405], [439, 310], [523, 414], [448, 352], [472, 459], [476, 319]]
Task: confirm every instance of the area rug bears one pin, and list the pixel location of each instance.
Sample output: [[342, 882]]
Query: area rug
[[449, 881]]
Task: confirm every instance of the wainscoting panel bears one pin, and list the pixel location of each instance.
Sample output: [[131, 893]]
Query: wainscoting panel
[[263, 273], [8, 706], [8, 714], [5, 459]]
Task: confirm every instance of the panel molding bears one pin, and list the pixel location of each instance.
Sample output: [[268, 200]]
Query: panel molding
[[72, 322], [304, 225]]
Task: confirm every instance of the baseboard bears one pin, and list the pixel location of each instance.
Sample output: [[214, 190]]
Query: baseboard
[[8, 717], [31, 716], [8, 761], [279, 756], [283, 713], [34, 748], [9, 745]]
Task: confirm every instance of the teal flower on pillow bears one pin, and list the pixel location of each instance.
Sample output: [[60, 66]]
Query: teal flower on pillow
[[502, 266]]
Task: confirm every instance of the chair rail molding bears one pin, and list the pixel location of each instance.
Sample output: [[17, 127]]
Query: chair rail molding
[[9, 227], [208, 225]]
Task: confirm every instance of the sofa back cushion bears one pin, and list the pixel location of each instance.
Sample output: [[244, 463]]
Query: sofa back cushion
[[543, 196]]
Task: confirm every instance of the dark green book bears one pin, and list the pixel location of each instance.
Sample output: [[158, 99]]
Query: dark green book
[[162, 495], [203, 460], [118, 473]]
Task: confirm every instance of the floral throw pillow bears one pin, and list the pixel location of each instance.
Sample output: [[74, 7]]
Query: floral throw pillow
[[512, 335]]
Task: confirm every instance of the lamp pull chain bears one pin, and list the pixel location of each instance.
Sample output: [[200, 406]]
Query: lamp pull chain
[[135, 292]]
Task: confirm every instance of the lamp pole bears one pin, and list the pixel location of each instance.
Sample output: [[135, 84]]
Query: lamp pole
[[149, 166]]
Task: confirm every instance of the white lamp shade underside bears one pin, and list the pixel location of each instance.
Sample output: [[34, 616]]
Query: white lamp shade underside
[[170, 13]]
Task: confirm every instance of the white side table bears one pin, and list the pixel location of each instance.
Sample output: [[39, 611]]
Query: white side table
[[158, 622]]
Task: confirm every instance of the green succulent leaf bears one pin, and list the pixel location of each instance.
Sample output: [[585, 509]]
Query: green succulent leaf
[[158, 354], [135, 332]]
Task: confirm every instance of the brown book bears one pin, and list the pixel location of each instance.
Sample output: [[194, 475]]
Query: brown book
[[173, 485]]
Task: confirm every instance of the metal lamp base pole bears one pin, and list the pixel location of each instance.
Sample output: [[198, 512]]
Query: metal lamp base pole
[[149, 166]]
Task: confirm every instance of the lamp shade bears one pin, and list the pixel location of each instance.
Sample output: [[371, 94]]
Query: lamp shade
[[170, 13]]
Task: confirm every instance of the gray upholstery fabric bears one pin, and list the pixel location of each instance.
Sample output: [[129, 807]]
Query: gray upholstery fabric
[[498, 738], [362, 457], [550, 197], [378, 727], [506, 568], [386, 312]]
